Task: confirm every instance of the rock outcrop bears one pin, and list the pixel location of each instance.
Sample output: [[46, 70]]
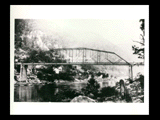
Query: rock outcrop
[[82, 99]]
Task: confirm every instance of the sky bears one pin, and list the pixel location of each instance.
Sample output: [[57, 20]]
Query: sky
[[115, 35]]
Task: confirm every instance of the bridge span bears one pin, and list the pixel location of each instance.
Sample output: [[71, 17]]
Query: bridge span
[[80, 56]]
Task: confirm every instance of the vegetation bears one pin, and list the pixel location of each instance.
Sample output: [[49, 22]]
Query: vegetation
[[47, 92], [51, 93], [88, 67], [65, 94], [48, 74], [141, 80], [21, 27], [92, 88], [140, 50], [108, 92]]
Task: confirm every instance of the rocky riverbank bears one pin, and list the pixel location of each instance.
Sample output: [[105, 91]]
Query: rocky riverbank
[[136, 97], [134, 93]]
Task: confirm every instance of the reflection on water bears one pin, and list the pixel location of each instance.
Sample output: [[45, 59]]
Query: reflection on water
[[31, 94], [26, 93]]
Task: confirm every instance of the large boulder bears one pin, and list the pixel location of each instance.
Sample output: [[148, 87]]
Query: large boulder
[[82, 99], [137, 101]]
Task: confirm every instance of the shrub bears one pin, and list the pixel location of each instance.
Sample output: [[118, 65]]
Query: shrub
[[66, 76], [140, 80], [108, 92], [40, 75], [66, 95], [91, 88], [48, 93], [50, 77]]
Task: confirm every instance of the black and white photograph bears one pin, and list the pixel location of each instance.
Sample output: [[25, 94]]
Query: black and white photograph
[[78, 60]]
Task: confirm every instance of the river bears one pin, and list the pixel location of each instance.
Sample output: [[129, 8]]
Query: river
[[30, 93]]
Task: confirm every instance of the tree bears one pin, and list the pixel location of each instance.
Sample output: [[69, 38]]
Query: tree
[[140, 50], [92, 87], [22, 28]]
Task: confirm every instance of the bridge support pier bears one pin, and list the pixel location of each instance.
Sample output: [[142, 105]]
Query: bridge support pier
[[23, 72], [131, 72]]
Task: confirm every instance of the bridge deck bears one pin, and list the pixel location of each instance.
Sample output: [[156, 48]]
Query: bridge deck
[[78, 63]]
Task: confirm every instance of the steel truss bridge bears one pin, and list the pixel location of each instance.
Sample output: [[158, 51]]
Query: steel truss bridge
[[80, 56]]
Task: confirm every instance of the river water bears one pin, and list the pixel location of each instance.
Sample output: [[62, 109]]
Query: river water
[[30, 93]]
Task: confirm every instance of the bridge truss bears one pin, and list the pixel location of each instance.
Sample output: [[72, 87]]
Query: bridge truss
[[81, 56]]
